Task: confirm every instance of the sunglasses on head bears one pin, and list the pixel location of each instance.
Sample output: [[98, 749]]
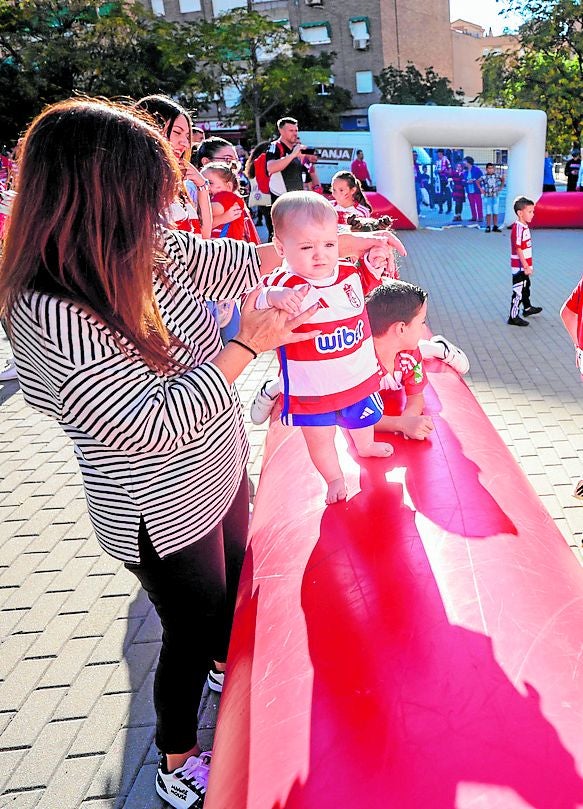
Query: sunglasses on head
[[234, 162]]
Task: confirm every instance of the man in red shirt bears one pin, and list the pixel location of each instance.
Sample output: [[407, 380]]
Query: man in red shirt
[[572, 317], [360, 170]]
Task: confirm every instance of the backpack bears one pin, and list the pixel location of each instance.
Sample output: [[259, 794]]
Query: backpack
[[261, 175]]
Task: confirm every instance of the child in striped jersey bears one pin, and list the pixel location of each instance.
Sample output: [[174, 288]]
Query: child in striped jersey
[[348, 197], [333, 379]]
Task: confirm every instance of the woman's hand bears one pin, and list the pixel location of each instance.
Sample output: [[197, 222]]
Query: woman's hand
[[232, 213], [190, 172], [356, 244], [266, 329]]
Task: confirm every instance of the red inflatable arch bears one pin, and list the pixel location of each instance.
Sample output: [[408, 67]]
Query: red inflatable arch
[[419, 646]]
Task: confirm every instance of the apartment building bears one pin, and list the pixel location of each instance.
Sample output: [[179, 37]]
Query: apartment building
[[470, 43], [366, 35]]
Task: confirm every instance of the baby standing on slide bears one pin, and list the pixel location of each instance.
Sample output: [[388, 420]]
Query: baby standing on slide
[[334, 380]]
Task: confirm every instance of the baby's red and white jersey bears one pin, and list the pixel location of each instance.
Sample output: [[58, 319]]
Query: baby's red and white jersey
[[343, 213], [520, 240], [338, 367], [408, 373]]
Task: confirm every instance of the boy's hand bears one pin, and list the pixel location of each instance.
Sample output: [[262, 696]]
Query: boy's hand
[[378, 256], [417, 427], [528, 270], [289, 300]]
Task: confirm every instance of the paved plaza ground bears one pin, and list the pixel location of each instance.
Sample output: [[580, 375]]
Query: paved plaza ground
[[79, 640]]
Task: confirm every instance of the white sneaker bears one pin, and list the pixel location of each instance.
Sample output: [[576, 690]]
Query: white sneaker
[[186, 786], [453, 355], [262, 404], [9, 372]]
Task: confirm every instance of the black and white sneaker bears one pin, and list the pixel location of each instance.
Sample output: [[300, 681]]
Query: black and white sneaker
[[262, 404], [578, 490], [186, 786], [452, 354]]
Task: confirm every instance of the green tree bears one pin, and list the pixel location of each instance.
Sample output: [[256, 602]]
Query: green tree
[[546, 71], [260, 59], [315, 105], [51, 49], [410, 86]]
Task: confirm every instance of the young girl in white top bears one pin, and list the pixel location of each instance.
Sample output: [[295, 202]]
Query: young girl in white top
[[348, 197]]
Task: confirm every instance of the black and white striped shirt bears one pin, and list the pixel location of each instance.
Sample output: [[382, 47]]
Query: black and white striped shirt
[[169, 448]]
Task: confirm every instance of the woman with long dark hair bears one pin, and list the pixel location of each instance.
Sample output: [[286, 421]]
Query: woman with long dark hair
[[176, 126], [112, 338]]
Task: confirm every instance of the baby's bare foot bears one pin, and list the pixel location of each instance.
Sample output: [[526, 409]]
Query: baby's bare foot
[[376, 449], [336, 491]]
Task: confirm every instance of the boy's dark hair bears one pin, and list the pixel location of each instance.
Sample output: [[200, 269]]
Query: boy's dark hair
[[469, 160], [489, 164], [286, 120], [520, 203], [393, 302]]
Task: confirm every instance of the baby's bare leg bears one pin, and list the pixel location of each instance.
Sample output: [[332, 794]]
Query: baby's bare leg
[[365, 444], [320, 442]]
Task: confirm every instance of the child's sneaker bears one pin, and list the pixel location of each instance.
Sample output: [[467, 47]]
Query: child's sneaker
[[532, 310], [9, 371], [578, 492], [452, 355], [262, 404], [517, 321], [186, 786]]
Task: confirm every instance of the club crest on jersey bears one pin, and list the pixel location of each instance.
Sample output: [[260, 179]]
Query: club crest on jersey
[[340, 339], [352, 296]]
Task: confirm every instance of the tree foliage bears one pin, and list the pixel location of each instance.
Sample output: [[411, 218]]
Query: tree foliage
[[264, 62], [317, 105], [546, 72], [52, 49], [410, 86]]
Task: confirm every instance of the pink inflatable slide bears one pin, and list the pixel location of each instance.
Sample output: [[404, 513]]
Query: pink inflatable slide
[[419, 647]]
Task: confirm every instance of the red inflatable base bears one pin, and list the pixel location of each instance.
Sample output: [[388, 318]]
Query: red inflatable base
[[382, 207], [420, 646], [559, 209]]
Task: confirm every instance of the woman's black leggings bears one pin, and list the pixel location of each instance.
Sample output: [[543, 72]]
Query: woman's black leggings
[[193, 592]]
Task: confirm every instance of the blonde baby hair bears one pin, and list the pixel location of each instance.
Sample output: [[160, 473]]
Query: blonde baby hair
[[294, 205]]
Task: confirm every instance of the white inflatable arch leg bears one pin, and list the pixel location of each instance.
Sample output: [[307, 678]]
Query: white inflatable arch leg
[[396, 129]]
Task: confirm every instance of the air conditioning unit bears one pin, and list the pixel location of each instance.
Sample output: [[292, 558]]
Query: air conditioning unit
[[360, 44], [314, 2]]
